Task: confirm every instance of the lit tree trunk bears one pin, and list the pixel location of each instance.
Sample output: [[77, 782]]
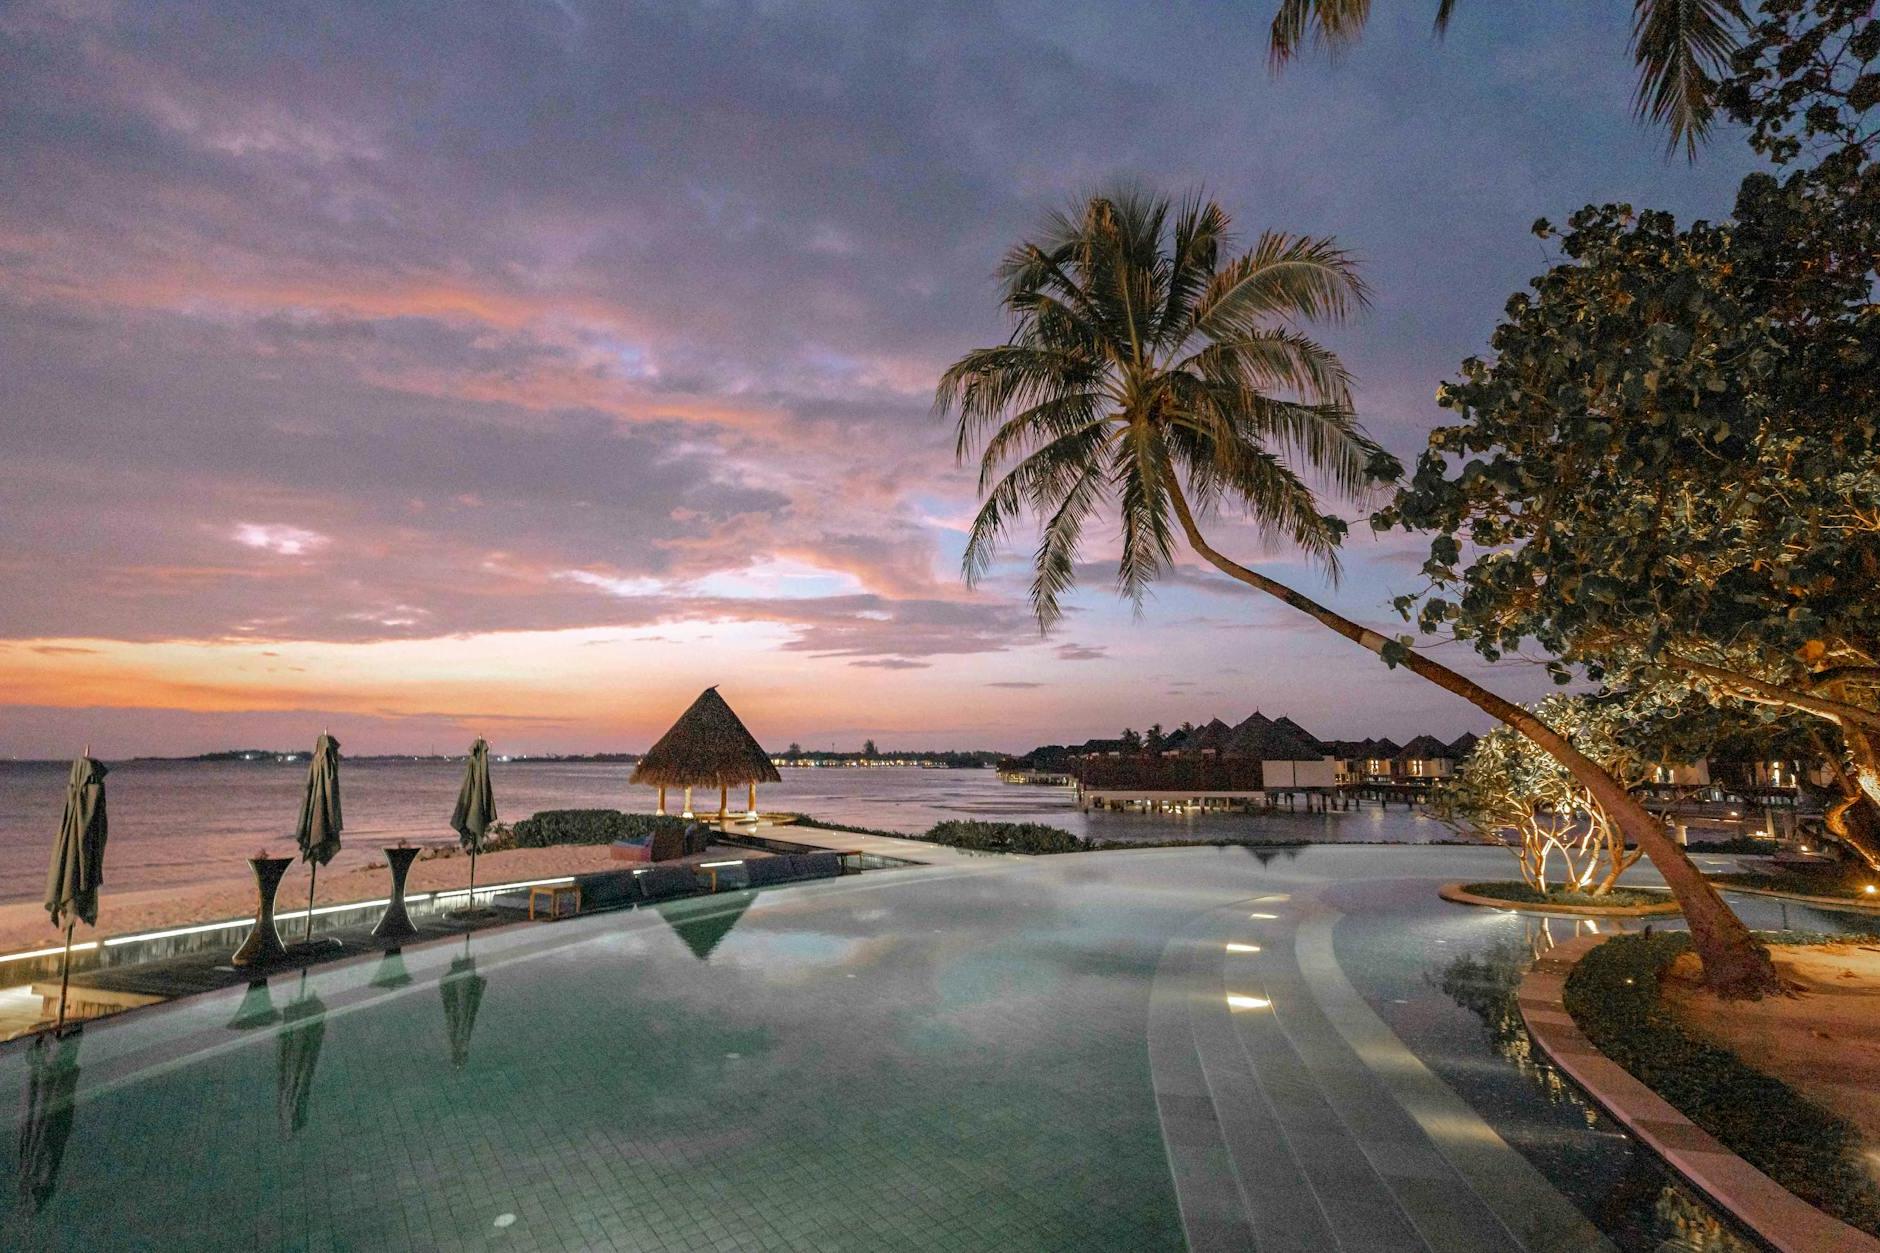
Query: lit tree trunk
[[1855, 820], [1734, 963]]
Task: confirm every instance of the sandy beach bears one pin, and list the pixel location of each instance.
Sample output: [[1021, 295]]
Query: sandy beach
[[23, 924], [1824, 1040]]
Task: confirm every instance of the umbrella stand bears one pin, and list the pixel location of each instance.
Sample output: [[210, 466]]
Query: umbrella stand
[[65, 979]]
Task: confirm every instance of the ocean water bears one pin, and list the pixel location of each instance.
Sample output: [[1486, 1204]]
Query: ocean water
[[177, 823]]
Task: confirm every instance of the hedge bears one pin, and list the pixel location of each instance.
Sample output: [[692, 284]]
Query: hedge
[[1522, 893], [1005, 837], [590, 826], [1613, 994]]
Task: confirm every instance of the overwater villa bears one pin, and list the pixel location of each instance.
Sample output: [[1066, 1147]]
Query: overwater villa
[[1255, 763]]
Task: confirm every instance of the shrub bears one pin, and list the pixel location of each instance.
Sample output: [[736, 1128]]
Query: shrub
[[1005, 837], [1525, 894], [1613, 994], [590, 826], [1751, 844]]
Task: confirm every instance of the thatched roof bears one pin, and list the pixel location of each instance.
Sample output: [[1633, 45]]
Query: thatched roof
[[707, 746], [1425, 748]]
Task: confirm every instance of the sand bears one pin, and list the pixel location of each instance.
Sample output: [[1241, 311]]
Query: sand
[[1823, 1041], [24, 925]]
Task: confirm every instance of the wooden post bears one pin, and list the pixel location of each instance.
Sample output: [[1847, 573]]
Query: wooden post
[[751, 809], [688, 802], [724, 801], [662, 801]]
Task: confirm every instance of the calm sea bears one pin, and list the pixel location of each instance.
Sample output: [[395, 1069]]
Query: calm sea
[[176, 823]]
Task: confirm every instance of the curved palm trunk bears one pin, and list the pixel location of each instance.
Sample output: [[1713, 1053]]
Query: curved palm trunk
[[1734, 963]]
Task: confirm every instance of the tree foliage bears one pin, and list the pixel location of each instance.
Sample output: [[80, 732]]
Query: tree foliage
[[1507, 786], [1668, 469]]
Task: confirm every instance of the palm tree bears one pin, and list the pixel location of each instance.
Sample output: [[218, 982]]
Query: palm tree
[[1153, 372], [1678, 45]]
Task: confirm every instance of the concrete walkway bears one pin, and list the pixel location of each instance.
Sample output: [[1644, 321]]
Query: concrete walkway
[[894, 848], [1295, 1118]]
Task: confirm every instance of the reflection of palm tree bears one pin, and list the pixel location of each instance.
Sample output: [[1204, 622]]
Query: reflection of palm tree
[[46, 1116], [257, 1008], [1265, 853], [462, 990], [301, 1037]]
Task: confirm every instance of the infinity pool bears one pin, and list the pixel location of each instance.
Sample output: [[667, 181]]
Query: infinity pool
[[1103, 1051]]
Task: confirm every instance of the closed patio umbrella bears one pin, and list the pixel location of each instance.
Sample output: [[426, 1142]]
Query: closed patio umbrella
[[320, 819], [46, 1116], [77, 861], [476, 810]]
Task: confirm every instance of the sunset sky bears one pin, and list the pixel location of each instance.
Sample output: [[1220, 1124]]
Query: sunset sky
[[521, 369]]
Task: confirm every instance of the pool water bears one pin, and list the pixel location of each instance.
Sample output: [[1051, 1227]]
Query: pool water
[[924, 1058]]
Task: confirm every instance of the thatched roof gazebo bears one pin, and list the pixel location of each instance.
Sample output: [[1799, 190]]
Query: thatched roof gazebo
[[707, 745]]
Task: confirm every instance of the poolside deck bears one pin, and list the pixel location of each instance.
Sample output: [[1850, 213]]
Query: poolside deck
[[202, 965]]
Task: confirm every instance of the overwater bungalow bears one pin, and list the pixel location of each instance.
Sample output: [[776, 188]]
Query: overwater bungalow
[[708, 746]]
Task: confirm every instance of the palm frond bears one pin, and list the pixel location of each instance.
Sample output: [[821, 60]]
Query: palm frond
[[1334, 23], [1680, 47], [1055, 563], [1295, 277], [1139, 473]]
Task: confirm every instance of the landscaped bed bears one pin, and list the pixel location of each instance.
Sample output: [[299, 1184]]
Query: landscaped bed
[[1634, 998], [1513, 894]]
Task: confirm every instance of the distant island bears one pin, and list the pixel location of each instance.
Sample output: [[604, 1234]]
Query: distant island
[[795, 755]]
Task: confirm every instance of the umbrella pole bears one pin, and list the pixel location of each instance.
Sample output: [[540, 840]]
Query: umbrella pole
[[313, 877], [472, 902], [65, 979]]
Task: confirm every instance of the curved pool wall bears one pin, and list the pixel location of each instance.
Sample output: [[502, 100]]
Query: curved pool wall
[[1018, 1054]]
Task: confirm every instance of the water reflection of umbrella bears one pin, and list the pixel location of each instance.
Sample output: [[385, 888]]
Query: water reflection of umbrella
[[46, 1116], [462, 990], [320, 819], [257, 1008], [703, 933], [77, 861], [391, 972], [301, 1036]]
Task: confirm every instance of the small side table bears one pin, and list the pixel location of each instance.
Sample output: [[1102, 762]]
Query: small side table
[[555, 893], [396, 924], [263, 946]]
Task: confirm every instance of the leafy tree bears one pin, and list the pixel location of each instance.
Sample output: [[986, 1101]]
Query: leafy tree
[[1153, 369], [1132, 743], [1681, 48], [796, 750], [1668, 471], [1508, 785], [1152, 742], [868, 749]]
